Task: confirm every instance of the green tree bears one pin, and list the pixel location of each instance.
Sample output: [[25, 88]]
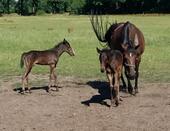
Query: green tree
[[75, 6], [7, 6]]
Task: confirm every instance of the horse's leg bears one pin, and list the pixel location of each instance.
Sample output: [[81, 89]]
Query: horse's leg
[[136, 78], [130, 88], [116, 88], [119, 77], [23, 85], [52, 66], [50, 78], [110, 78], [55, 78], [123, 82], [25, 76], [28, 86]]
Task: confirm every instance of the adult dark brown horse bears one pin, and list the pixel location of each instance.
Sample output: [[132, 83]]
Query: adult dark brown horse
[[46, 57], [127, 38], [111, 62]]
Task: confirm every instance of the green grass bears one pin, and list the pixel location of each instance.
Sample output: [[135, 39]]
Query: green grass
[[20, 34]]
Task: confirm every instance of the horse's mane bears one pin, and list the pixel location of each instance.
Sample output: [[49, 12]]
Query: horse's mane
[[57, 45], [126, 40], [109, 31]]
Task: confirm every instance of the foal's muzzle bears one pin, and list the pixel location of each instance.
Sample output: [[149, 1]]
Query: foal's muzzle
[[72, 52]]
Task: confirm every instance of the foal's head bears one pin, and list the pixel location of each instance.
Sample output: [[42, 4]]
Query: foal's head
[[65, 46], [103, 58]]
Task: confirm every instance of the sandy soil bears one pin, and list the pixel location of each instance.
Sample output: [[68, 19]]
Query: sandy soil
[[82, 105]]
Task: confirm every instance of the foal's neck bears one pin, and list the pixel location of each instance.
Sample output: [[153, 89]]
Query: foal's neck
[[59, 50]]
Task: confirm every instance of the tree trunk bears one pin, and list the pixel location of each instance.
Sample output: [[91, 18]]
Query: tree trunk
[[8, 6]]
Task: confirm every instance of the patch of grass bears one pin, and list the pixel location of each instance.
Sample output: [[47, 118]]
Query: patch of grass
[[21, 34]]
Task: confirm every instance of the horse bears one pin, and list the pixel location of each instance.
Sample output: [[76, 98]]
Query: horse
[[46, 57], [128, 39], [111, 62]]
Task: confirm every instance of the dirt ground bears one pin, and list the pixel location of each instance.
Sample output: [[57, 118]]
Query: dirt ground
[[82, 105]]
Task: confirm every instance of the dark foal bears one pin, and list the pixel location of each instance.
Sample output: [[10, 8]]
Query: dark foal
[[46, 57], [111, 61]]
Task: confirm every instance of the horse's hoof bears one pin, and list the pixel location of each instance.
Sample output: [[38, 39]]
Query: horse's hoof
[[116, 103], [111, 106], [133, 93], [22, 92], [28, 91], [47, 90], [120, 99], [136, 91], [57, 89]]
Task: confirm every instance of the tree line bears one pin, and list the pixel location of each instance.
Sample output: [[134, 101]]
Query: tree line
[[36, 7]]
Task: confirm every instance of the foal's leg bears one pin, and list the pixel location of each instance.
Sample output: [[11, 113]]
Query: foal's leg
[[25, 76], [119, 77], [52, 67], [116, 88], [110, 78], [50, 78], [55, 78]]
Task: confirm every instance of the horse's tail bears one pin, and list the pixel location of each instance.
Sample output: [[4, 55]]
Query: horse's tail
[[22, 60]]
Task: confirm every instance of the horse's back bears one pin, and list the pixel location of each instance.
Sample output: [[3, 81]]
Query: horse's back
[[115, 36], [115, 59], [41, 57]]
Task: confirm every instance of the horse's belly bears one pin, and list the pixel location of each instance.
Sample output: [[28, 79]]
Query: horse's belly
[[45, 62]]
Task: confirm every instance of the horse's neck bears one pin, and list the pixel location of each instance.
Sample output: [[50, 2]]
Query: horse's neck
[[59, 50]]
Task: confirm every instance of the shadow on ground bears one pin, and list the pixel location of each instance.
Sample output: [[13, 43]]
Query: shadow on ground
[[19, 89], [103, 90]]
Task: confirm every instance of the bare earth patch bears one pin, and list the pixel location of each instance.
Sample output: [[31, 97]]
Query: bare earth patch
[[82, 105]]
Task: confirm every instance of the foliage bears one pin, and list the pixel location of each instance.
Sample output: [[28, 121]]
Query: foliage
[[40, 12], [30, 7]]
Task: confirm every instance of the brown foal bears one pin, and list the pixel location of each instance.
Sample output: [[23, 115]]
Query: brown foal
[[46, 57], [111, 62]]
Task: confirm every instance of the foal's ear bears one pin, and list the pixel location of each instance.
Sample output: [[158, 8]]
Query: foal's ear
[[98, 50], [64, 40]]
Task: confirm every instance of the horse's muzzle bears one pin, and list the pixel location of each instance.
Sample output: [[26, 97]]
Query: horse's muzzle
[[132, 77]]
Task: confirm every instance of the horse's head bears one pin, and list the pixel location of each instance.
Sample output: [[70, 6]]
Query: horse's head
[[130, 61], [68, 48], [102, 58]]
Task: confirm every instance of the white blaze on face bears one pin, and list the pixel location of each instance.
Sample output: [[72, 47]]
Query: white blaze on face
[[130, 54]]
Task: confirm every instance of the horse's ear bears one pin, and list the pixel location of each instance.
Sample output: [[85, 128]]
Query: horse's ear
[[136, 47], [64, 40], [136, 40], [98, 50]]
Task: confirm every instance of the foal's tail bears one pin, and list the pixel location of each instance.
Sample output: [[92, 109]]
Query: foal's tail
[[22, 60]]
